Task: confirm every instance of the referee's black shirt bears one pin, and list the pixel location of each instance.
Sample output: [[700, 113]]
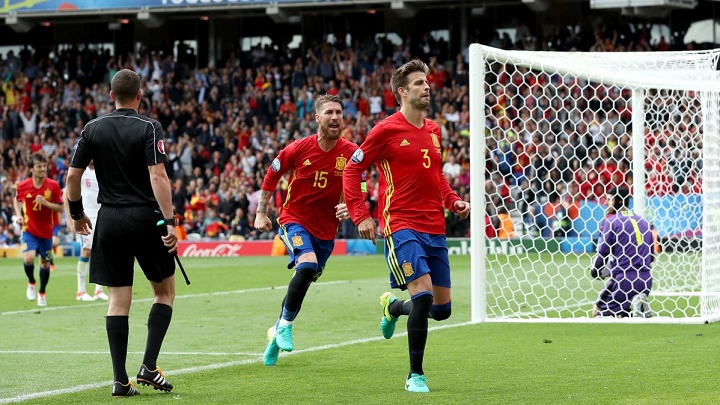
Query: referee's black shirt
[[122, 144]]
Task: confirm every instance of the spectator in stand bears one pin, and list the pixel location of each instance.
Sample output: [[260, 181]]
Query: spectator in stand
[[506, 228], [70, 87]]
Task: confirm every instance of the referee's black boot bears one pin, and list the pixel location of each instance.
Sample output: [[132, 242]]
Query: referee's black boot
[[124, 390], [154, 378]]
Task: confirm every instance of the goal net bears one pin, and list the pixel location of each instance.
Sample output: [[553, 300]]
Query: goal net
[[551, 132]]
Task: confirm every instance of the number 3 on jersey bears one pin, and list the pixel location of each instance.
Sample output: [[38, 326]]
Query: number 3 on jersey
[[320, 179], [426, 158]]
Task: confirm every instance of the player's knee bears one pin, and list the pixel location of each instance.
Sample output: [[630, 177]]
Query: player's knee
[[308, 271], [441, 312]]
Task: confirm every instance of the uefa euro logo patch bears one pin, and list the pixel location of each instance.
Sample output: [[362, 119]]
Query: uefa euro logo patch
[[407, 269], [297, 241], [357, 157]]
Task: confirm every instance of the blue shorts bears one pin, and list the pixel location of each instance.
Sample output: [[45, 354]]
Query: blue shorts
[[42, 247], [57, 230], [411, 254], [298, 241]]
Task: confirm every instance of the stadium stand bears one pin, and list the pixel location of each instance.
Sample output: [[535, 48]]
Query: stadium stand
[[226, 121]]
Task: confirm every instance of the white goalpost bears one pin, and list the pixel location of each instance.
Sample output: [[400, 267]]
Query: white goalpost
[[550, 133]]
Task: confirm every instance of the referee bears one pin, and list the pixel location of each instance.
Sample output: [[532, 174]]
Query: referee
[[129, 155]]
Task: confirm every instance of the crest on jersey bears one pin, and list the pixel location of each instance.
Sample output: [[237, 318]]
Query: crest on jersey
[[358, 156], [161, 146], [407, 269], [47, 194], [435, 140], [297, 241], [340, 163], [276, 164]]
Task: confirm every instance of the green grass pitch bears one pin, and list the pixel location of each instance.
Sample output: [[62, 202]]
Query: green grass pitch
[[213, 350]]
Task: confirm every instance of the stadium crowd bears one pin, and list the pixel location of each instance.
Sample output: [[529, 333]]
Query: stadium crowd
[[554, 141], [225, 122]]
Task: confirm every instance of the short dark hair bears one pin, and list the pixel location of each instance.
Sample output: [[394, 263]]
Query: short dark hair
[[400, 75], [326, 98], [621, 197], [38, 157], [125, 85]]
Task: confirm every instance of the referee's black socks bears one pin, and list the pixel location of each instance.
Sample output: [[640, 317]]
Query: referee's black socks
[[158, 324], [117, 332]]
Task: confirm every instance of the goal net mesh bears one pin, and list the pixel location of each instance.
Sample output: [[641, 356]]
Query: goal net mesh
[[561, 129]]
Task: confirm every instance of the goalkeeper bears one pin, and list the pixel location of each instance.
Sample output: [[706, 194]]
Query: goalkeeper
[[625, 252]]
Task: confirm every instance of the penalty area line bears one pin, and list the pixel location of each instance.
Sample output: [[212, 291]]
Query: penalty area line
[[211, 367]]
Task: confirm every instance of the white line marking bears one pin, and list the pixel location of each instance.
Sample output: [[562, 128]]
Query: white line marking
[[130, 353], [202, 295], [85, 387]]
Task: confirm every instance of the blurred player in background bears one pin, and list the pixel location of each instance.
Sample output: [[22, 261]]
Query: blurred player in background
[[625, 253], [310, 214], [89, 190], [37, 201], [414, 195]]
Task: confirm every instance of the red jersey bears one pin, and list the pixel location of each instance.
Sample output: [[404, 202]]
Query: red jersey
[[315, 185], [413, 191], [38, 220]]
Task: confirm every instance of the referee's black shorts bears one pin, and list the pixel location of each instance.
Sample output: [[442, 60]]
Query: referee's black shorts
[[122, 234]]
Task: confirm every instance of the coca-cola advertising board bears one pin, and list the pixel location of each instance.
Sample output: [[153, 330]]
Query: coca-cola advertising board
[[247, 248]]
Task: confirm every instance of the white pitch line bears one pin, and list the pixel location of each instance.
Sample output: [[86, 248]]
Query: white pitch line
[[201, 295], [131, 353], [85, 387]]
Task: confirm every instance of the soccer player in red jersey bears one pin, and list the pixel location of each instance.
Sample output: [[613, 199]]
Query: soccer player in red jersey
[[37, 201], [310, 213], [413, 196]]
